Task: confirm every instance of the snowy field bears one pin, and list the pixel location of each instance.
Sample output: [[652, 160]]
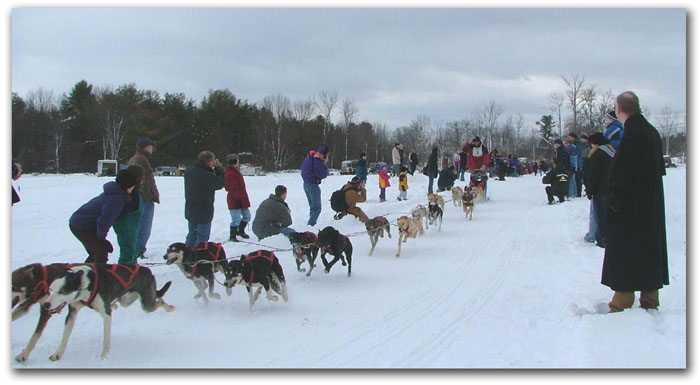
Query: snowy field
[[516, 287]]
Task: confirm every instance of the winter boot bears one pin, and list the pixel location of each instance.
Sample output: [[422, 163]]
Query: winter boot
[[233, 232], [241, 230]]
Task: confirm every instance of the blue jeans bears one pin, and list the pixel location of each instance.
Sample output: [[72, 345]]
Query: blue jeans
[[382, 194], [286, 231], [461, 175], [313, 195], [144, 232], [430, 184], [197, 232], [601, 202], [237, 214], [592, 224], [572, 186]]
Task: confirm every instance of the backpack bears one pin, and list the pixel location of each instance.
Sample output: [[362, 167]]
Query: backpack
[[338, 203]]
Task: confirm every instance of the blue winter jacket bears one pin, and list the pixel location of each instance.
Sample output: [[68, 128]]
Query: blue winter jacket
[[313, 169], [614, 132], [100, 212], [361, 170], [573, 155]]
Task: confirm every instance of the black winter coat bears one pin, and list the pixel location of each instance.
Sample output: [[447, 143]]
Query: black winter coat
[[201, 182], [597, 171], [635, 255], [558, 178], [564, 159]]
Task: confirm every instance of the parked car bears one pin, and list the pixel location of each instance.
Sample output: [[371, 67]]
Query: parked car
[[165, 171], [247, 170], [348, 167], [668, 161]]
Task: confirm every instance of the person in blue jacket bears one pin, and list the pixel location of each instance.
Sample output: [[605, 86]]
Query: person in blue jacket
[[361, 168], [614, 129], [92, 221], [573, 157], [313, 171]]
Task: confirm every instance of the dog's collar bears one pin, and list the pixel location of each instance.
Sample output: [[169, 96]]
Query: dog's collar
[[93, 294]]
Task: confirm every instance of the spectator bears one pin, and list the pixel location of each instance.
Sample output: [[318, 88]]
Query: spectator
[[596, 181], [396, 158], [456, 160], [462, 162], [562, 156], [202, 179], [236, 198], [313, 171], [431, 169], [355, 193], [636, 257], [446, 178], [573, 158], [361, 168], [16, 174], [149, 190], [579, 161], [614, 130], [592, 224], [92, 221], [535, 168], [558, 180], [501, 169], [445, 162], [383, 182], [403, 184], [413, 160], [273, 215], [128, 223]]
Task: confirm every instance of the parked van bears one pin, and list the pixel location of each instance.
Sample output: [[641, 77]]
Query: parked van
[[165, 171]]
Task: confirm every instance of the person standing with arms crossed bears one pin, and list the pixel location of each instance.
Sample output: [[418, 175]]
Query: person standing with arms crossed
[[149, 191], [313, 171]]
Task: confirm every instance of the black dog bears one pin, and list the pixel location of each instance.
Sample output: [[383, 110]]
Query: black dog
[[199, 265], [376, 228], [305, 249], [260, 268], [435, 214], [332, 241]]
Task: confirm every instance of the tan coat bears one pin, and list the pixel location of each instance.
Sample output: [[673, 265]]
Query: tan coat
[[149, 188], [352, 198]]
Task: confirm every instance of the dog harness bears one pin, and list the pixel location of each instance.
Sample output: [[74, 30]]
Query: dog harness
[[42, 287], [467, 199], [214, 254], [112, 270], [345, 243], [267, 255], [299, 251]]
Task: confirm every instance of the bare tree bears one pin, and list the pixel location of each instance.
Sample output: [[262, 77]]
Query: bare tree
[[326, 103], [488, 119], [556, 102], [573, 94], [588, 101], [604, 103], [45, 102], [304, 109], [667, 123], [280, 107], [349, 110]]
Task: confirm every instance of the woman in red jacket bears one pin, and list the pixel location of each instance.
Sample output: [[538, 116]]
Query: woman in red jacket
[[237, 198]]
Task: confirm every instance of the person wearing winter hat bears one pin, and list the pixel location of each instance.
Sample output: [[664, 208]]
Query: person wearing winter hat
[[127, 224], [355, 193], [383, 181], [562, 156], [595, 178], [614, 129], [148, 191], [236, 198], [92, 221], [361, 169], [313, 171], [202, 179]]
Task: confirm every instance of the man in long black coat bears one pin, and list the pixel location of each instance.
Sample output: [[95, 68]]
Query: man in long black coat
[[636, 258], [202, 179]]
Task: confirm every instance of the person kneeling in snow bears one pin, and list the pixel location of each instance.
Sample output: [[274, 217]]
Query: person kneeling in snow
[[273, 215], [355, 193], [558, 180]]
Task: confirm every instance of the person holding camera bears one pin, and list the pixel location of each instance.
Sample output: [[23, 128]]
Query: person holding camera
[[202, 179]]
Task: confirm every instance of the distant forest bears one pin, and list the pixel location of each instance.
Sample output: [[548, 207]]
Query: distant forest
[[71, 132]]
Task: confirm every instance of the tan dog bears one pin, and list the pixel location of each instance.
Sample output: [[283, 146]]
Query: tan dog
[[478, 193], [457, 196], [467, 200], [408, 228], [437, 199]]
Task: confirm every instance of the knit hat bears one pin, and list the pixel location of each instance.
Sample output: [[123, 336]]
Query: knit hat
[[584, 136], [126, 179], [143, 142], [558, 141], [611, 115], [598, 139], [323, 150], [363, 154], [355, 180], [573, 135], [232, 158], [476, 139]]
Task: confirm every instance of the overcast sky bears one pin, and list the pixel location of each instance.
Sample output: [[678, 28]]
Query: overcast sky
[[395, 64]]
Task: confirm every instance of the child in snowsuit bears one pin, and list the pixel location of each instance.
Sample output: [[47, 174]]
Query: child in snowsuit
[[383, 182], [403, 184]]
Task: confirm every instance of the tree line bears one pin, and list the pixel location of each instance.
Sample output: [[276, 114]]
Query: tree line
[[69, 133]]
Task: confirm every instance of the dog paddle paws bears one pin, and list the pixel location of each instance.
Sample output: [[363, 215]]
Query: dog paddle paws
[[21, 357], [55, 357]]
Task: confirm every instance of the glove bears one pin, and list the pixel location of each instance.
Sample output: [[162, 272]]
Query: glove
[[108, 246]]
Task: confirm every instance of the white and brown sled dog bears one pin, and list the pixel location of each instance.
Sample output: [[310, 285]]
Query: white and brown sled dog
[[408, 228], [420, 213], [200, 265], [99, 286], [436, 199], [457, 196], [259, 269], [468, 203]]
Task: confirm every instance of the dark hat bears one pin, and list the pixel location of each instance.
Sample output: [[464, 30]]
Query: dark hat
[[323, 150], [126, 179], [598, 139], [611, 115], [573, 135], [558, 141], [403, 169], [232, 158], [584, 136], [355, 180], [363, 154], [477, 139], [143, 142]]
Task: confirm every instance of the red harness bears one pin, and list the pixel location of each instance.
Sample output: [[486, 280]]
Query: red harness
[[42, 287], [267, 255], [299, 252], [215, 254], [112, 270]]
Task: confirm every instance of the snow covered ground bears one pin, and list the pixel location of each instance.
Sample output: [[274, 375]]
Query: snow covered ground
[[516, 287]]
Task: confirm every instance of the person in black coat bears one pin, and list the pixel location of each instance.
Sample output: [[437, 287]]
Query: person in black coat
[[562, 156], [446, 178], [202, 179], [595, 178], [636, 257], [413, 161], [16, 173], [431, 169], [558, 180]]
